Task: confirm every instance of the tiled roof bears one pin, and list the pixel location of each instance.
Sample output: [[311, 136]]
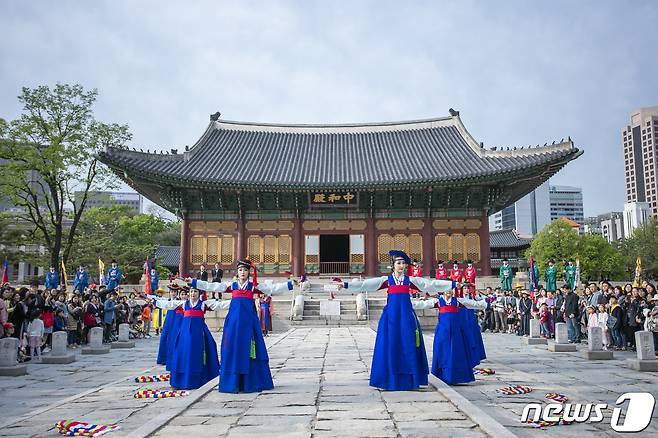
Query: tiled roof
[[415, 153], [167, 255], [507, 239]]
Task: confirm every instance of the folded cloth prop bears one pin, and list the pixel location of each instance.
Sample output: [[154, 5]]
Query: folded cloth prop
[[560, 398], [156, 378], [80, 428], [484, 371], [514, 390], [148, 393]]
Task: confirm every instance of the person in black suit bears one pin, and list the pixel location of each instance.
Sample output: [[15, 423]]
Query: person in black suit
[[217, 274], [202, 274]]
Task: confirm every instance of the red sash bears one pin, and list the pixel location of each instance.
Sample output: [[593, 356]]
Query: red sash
[[193, 312], [180, 311], [449, 309], [241, 293], [398, 289]]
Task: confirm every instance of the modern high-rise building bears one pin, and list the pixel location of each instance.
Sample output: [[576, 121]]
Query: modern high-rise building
[[641, 157], [538, 208], [567, 201], [527, 216], [635, 214], [609, 225], [110, 199]]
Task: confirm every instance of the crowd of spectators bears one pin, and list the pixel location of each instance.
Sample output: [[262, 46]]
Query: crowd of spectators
[[32, 314], [619, 311]]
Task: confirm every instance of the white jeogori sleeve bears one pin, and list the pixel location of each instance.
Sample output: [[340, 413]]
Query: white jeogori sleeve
[[367, 285], [432, 286], [424, 304]]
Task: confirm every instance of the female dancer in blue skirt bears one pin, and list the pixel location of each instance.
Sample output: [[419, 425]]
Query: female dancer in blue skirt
[[399, 362], [245, 364], [195, 361], [452, 359], [165, 335]]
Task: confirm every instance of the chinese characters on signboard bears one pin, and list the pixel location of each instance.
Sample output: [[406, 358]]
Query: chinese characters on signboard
[[333, 198]]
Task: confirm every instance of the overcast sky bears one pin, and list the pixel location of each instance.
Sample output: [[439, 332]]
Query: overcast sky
[[520, 72]]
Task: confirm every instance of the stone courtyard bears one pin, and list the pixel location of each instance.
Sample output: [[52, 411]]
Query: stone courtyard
[[321, 390]]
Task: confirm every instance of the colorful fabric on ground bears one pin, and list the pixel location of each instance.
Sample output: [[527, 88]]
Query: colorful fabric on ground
[[484, 371], [514, 390], [155, 378], [80, 428], [545, 423], [148, 393], [560, 398]]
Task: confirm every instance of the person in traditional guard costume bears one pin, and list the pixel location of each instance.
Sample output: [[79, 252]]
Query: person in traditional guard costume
[[245, 363], [441, 272], [158, 315], [195, 360], [265, 310], [456, 273], [550, 276], [399, 361], [172, 317], [452, 357], [506, 276], [570, 274]]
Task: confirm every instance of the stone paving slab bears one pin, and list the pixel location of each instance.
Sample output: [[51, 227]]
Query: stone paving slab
[[321, 390], [567, 373]]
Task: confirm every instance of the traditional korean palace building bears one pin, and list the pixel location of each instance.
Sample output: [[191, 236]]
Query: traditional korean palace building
[[334, 199]]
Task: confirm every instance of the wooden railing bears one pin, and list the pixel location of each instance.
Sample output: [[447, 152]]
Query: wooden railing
[[334, 267]]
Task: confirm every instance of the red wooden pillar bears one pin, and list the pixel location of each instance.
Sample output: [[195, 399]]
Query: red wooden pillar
[[242, 240], [371, 248], [428, 248], [184, 260], [485, 249], [298, 249]]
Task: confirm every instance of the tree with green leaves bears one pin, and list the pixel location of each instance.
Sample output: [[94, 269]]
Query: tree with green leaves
[[559, 241], [643, 243], [116, 233], [48, 154], [599, 259]]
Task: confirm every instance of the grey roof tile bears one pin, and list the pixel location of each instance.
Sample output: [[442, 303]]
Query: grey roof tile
[[238, 154]]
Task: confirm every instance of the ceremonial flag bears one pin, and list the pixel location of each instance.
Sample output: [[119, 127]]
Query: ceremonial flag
[[531, 276], [64, 274], [101, 272], [147, 274], [5, 271], [577, 279], [638, 272]]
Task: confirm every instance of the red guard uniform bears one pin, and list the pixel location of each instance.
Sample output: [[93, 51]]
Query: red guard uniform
[[441, 273], [469, 277]]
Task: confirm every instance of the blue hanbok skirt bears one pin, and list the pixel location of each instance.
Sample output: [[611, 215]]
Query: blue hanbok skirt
[[245, 364], [165, 337], [474, 336], [174, 329], [453, 356], [195, 362], [399, 361]]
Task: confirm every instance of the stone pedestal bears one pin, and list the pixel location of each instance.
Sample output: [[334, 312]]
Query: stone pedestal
[[9, 365], [124, 338], [59, 353], [330, 309], [646, 353], [595, 349], [95, 345], [534, 338], [561, 343]]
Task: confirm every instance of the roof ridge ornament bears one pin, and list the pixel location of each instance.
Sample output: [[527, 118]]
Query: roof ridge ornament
[[453, 112], [214, 117]]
